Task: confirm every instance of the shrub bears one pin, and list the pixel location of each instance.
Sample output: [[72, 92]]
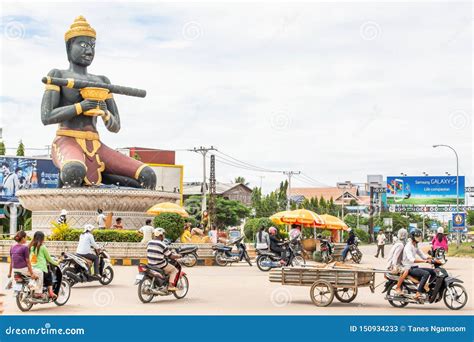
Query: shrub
[[252, 226], [64, 233], [362, 235], [173, 224]]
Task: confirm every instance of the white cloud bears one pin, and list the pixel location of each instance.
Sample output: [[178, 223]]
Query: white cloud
[[281, 86]]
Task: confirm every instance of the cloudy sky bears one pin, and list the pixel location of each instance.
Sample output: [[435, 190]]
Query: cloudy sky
[[336, 90]]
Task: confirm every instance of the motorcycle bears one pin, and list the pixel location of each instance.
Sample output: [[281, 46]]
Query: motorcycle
[[77, 269], [439, 254], [188, 253], [266, 260], [442, 286], [356, 254], [327, 251], [223, 254], [23, 290], [154, 282]]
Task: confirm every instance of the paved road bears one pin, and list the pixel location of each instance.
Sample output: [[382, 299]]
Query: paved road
[[235, 290]]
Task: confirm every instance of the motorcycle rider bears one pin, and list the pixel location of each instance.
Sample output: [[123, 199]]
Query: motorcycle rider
[[85, 248], [439, 241], [411, 256], [157, 252], [262, 239], [275, 244], [395, 258], [40, 258], [350, 242]]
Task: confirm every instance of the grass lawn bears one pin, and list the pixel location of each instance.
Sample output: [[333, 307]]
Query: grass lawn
[[463, 250]]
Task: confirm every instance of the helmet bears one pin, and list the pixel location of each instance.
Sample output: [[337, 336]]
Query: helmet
[[349, 230], [88, 227], [159, 232], [402, 234], [272, 230], [63, 212], [440, 230], [416, 235]]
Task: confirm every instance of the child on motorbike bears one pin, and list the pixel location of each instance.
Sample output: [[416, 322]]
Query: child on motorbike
[[20, 257]]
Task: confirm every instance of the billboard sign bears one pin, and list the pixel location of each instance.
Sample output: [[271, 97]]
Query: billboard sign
[[425, 190], [18, 173], [169, 178]]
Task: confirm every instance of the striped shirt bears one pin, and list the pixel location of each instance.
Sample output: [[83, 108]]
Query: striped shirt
[[156, 252]]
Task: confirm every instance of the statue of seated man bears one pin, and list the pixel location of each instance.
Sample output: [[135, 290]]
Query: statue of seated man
[[77, 150]]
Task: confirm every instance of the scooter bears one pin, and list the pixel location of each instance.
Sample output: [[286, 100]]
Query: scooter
[[23, 290], [223, 254], [188, 253], [327, 251], [356, 254], [154, 282], [439, 254], [442, 286], [77, 269], [266, 260]]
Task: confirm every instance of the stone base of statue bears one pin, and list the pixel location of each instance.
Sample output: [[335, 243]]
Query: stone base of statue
[[82, 204]]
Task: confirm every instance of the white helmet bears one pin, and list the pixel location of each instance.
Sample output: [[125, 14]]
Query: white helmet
[[349, 230], [159, 232], [402, 234], [63, 212], [440, 230], [88, 227]]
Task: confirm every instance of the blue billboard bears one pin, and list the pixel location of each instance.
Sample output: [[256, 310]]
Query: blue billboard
[[18, 173], [426, 190]]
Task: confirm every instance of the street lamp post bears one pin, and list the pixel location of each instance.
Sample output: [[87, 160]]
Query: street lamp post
[[458, 242]]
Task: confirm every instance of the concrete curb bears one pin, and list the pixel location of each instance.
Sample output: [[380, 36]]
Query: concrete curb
[[136, 262]]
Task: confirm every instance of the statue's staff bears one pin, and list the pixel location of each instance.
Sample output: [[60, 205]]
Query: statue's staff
[[79, 84]]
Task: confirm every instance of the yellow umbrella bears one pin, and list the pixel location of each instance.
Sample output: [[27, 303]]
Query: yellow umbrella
[[303, 217], [167, 207], [276, 218], [333, 222]]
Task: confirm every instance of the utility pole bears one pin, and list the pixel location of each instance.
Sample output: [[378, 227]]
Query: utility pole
[[261, 181], [212, 194], [288, 189], [203, 151]]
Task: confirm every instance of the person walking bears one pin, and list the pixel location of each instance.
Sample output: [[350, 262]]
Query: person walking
[[381, 238], [147, 231], [100, 219]]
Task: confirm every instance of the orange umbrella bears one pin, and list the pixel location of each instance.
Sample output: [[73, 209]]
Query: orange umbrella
[[303, 217], [333, 222], [167, 207], [276, 218]]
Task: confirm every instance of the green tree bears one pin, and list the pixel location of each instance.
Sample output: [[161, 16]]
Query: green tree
[[136, 156], [253, 225], [470, 217], [230, 213], [3, 149], [173, 224], [20, 152]]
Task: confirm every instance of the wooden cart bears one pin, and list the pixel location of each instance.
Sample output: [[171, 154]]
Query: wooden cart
[[326, 282]]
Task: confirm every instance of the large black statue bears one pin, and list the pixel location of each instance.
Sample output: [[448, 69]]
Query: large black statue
[[74, 99]]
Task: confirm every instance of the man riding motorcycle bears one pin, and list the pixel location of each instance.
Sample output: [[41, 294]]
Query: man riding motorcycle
[[350, 241], [157, 252], [86, 247], [275, 244], [411, 257]]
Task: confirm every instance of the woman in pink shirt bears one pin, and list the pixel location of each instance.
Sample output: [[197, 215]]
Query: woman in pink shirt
[[439, 240]]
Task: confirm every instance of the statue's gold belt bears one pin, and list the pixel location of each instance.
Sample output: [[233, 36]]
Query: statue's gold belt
[[77, 134]]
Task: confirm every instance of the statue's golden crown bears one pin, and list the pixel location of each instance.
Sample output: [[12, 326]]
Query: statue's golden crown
[[80, 27]]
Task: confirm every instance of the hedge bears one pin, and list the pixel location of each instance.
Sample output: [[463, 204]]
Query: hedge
[[252, 226], [173, 224], [65, 233]]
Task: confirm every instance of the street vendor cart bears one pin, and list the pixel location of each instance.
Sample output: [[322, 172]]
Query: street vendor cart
[[326, 282]]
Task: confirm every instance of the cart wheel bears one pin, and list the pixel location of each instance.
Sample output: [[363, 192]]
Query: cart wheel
[[322, 293], [346, 294]]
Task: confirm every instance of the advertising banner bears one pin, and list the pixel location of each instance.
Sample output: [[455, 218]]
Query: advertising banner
[[425, 190], [25, 173]]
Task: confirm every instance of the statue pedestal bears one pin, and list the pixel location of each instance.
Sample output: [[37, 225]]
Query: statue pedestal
[[82, 204]]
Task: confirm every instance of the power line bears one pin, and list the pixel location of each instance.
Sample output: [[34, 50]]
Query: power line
[[263, 169]]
